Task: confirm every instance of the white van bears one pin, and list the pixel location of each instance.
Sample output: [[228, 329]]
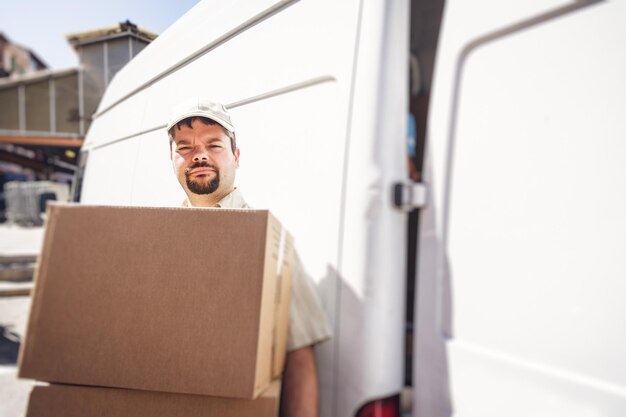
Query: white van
[[501, 293]]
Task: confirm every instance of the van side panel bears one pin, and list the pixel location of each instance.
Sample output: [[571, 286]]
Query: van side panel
[[207, 25], [109, 174]]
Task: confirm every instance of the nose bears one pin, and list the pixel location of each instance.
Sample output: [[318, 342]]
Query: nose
[[200, 154]]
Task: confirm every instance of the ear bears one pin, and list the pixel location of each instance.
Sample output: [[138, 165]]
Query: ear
[[237, 157]]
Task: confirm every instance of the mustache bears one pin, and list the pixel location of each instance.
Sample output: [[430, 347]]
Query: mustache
[[200, 165]]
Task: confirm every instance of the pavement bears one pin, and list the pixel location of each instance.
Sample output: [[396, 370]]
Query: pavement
[[14, 392], [18, 241], [19, 247]]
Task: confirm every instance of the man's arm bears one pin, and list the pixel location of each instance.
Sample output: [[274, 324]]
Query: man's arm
[[300, 391]]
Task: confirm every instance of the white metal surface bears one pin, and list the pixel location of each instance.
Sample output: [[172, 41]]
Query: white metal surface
[[535, 228]]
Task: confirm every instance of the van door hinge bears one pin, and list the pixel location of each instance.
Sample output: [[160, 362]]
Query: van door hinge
[[410, 195]]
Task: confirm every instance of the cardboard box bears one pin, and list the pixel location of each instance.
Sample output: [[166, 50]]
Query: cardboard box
[[185, 300], [80, 401]]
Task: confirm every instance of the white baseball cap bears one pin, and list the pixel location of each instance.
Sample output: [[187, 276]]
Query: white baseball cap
[[202, 107]]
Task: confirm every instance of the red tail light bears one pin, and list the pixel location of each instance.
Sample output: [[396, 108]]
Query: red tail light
[[386, 407]]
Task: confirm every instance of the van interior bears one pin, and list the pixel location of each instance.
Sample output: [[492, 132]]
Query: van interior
[[426, 17]]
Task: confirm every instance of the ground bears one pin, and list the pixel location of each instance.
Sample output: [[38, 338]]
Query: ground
[[18, 247]]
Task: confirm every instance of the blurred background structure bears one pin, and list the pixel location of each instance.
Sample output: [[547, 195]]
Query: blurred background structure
[[46, 113]]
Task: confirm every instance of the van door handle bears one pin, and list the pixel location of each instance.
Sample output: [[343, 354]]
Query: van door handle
[[409, 195]]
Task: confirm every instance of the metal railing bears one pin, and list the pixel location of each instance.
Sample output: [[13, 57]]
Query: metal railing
[[26, 200]]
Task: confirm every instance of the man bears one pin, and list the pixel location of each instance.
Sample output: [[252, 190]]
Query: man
[[205, 158]]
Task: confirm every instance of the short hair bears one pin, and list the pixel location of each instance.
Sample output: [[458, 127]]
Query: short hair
[[189, 120]]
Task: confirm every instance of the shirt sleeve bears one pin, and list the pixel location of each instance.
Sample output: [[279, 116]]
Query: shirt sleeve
[[308, 323]]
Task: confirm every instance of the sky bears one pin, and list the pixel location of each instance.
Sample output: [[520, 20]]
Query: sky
[[41, 25]]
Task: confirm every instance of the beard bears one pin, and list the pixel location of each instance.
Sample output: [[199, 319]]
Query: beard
[[202, 185]]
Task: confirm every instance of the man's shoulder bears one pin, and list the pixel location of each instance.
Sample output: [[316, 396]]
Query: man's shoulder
[[234, 200]]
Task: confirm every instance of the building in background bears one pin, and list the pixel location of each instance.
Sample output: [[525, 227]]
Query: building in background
[[16, 59], [45, 113]]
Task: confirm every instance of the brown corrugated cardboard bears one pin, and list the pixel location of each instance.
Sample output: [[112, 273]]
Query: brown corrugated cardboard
[[81, 401], [283, 296], [175, 300]]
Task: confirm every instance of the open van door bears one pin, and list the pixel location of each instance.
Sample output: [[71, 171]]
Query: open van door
[[526, 230]]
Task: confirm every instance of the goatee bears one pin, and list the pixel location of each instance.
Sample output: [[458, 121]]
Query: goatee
[[202, 187]]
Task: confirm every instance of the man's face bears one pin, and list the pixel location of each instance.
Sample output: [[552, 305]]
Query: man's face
[[203, 160]]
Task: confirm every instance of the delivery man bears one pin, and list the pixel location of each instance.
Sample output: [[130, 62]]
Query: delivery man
[[205, 158]]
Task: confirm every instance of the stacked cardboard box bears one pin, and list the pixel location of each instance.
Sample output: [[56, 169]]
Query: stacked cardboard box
[[81, 401], [151, 301]]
